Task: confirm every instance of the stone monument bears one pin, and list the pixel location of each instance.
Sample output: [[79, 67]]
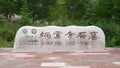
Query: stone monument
[[59, 38]]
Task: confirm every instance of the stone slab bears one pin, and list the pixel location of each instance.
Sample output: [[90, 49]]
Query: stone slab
[[53, 64], [76, 67], [71, 61]]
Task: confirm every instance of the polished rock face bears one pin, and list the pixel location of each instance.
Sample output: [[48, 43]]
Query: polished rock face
[[59, 38]]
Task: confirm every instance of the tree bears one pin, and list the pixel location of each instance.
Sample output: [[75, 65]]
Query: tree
[[116, 10], [8, 7], [109, 10], [104, 8], [40, 8], [25, 14], [58, 14], [76, 8]]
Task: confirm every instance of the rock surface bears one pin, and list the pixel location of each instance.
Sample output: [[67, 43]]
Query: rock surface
[[60, 38]]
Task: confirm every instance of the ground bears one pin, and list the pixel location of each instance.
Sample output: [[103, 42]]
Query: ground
[[109, 58]]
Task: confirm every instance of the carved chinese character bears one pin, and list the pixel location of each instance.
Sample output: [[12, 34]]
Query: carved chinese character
[[70, 34], [93, 35], [47, 35], [81, 35], [41, 34], [57, 34]]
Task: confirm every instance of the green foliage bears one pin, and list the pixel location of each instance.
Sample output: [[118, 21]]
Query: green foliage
[[26, 15], [117, 37], [105, 6], [111, 42], [7, 34], [76, 8], [9, 7], [116, 10], [108, 9], [5, 44], [112, 33], [58, 14], [40, 8], [2, 21]]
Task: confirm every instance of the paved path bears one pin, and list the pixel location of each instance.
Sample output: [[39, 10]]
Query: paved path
[[110, 58]]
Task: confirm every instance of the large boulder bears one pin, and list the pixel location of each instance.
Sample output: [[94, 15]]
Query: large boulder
[[60, 38]]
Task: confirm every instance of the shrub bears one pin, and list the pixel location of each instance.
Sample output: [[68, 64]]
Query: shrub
[[117, 37], [111, 31], [7, 34], [111, 42], [5, 44]]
